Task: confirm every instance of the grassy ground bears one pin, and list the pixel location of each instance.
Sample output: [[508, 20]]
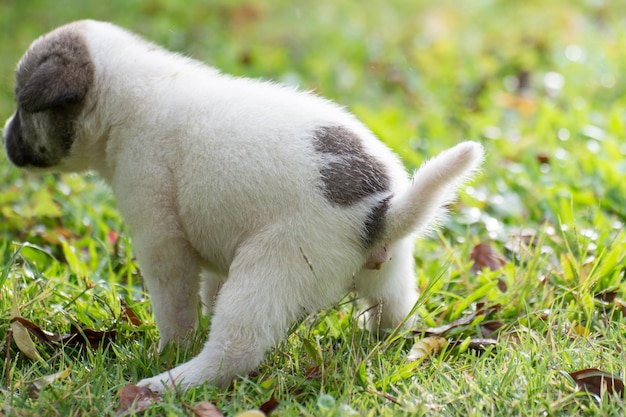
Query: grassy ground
[[539, 83]]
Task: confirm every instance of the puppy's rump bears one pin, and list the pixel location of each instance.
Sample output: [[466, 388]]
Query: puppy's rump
[[434, 185]]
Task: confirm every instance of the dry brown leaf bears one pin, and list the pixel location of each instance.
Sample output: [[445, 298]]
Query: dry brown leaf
[[41, 335], [427, 347], [608, 295], [136, 398], [511, 339], [270, 405], [128, 315], [596, 382], [94, 337], [76, 337], [488, 328], [206, 409], [481, 344], [20, 334], [484, 256]]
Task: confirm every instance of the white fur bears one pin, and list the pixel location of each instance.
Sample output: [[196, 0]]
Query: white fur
[[219, 182]]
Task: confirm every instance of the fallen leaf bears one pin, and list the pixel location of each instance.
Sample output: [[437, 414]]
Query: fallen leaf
[[512, 339], [128, 315], [484, 256], [20, 334], [607, 296], [270, 405], [596, 382], [35, 387], [76, 337], [463, 321], [137, 399], [206, 409], [41, 335], [481, 344], [94, 337], [427, 347], [488, 328]]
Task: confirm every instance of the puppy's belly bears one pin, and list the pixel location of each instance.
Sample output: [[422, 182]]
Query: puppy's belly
[[213, 239], [324, 236]]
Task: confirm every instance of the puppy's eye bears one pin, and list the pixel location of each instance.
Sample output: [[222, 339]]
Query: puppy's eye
[[42, 149]]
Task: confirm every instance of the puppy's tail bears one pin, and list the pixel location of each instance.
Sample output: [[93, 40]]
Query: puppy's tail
[[434, 185]]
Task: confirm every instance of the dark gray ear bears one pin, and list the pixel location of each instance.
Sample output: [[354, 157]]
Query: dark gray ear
[[55, 83]]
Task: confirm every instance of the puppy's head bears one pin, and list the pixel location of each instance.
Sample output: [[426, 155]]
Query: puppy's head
[[52, 82]]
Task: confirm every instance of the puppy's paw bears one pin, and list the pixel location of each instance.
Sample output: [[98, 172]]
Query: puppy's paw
[[156, 384], [187, 375], [178, 376]]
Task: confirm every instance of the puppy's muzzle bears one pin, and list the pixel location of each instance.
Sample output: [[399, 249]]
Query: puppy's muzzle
[[13, 142]]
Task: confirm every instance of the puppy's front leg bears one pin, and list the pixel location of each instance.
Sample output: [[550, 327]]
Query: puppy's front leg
[[171, 274]]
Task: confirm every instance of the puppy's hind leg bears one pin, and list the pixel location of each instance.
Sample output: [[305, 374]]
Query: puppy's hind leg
[[389, 293], [262, 296]]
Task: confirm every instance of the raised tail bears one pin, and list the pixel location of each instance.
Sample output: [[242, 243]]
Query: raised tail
[[435, 184]]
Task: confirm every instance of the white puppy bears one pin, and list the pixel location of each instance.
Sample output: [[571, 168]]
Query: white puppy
[[267, 202]]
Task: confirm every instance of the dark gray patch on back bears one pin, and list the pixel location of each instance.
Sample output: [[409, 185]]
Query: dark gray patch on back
[[350, 174]]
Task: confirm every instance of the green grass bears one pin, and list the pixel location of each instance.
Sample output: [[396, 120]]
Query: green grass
[[423, 75]]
